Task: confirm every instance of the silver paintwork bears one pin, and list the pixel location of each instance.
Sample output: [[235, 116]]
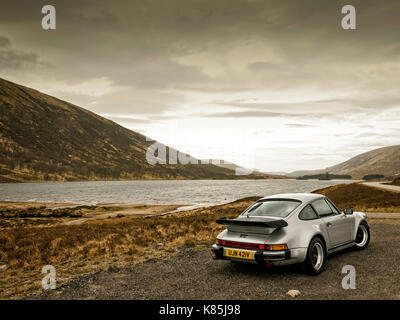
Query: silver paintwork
[[338, 231]]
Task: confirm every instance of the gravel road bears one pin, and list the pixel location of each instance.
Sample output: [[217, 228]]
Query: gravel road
[[193, 274]]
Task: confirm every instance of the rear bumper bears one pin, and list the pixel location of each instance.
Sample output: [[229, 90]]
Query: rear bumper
[[260, 256]]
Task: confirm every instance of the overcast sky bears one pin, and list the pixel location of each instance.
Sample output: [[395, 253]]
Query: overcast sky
[[276, 85]]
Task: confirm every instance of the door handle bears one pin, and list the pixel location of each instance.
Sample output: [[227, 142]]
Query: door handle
[[328, 224]]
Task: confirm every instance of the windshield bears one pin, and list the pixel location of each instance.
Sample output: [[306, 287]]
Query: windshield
[[272, 208]]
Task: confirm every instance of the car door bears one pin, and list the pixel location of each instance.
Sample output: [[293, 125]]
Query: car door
[[336, 223], [345, 222]]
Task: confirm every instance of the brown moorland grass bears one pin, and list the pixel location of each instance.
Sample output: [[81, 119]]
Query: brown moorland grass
[[18, 216], [87, 247], [44, 212], [360, 197]]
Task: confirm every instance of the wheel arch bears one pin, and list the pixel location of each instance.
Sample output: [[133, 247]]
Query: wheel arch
[[359, 218], [322, 238], [361, 221]]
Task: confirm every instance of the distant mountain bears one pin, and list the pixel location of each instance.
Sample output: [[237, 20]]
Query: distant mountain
[[242, 170], [44, 138], [223, 164], [384, 161], [277, 173], [300, 173]]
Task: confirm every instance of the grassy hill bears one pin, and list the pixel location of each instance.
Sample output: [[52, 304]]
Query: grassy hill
[[360, 197], [45, 138], [385, 161]]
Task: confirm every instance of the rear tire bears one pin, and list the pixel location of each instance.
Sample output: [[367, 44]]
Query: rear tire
[[316, 257], [362, 236]]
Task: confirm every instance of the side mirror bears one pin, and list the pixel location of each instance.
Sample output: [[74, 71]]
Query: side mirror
[[348, 211]]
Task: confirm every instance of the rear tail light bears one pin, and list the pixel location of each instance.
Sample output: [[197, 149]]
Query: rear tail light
[[254, 246], [276, 247], [221, 242]]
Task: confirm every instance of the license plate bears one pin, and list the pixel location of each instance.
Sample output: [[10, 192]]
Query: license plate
[[241, 254]]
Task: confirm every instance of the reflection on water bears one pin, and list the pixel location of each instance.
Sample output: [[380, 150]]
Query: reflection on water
[[205, 192]]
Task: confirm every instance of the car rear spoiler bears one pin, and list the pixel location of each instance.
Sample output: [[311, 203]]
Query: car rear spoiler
[[253, 222]]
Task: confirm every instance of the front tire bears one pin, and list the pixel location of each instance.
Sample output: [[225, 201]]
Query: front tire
[[362, 236], [316, 257]]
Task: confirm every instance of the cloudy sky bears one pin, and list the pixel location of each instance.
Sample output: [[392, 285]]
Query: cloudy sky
[[276, 85]]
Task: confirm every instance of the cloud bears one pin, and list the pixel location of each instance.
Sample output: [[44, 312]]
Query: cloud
[[371, 135], [127, 100], [99, 20], [299, 125], [125, 120], [129, 119], [4, 42], [262, 66], [12, 59], [253, 44], [159, 74], [254, 114]]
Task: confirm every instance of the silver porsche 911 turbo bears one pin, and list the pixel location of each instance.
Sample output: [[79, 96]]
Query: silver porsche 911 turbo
[[291, 228]]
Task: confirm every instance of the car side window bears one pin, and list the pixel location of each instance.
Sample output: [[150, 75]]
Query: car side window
[[322, 208], [308, 213], [335, 211]]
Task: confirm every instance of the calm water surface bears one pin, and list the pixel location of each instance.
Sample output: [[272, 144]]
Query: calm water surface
[[196, 192]]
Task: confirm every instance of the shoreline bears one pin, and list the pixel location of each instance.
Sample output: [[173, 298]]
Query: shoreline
[[70, 213], [175, 179], [235, 177]]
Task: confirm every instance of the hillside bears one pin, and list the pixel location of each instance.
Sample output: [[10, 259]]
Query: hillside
[[44, 138], [396, 181], [384, 161], [300, 173], [242, 170]]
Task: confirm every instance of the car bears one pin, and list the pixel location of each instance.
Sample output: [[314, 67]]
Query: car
[[296, 228]]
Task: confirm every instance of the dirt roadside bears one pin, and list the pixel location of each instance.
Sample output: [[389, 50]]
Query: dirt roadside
[[193, 274]]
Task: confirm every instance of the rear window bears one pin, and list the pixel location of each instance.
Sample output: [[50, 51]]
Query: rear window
[[272, 208]]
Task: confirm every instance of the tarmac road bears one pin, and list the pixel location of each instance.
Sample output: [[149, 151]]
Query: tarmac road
[[382, 185], [193, 274]]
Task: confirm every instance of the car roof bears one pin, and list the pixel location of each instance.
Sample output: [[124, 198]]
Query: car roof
[[303, 197]]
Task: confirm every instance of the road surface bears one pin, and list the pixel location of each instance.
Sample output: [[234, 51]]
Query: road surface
[[382, 185]]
